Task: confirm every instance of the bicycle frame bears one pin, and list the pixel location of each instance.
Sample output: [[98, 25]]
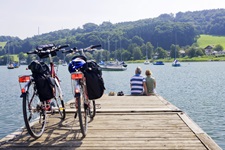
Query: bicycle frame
[[53, 74], [52, 69]]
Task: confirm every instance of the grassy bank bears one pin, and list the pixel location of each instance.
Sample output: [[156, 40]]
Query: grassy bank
[[206, 40], [203, 41], [2, 44]]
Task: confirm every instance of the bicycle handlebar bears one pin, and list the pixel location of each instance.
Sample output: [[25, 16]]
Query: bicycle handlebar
[[63, 46], [43, 49]]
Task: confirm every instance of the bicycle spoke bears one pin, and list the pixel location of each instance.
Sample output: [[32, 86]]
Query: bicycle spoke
[[31, 100], [58, 104]]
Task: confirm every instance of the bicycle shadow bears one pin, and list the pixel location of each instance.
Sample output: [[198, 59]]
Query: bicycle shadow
[[58, 134]]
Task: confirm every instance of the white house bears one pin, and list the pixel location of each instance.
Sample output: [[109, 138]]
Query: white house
[[209, 50]]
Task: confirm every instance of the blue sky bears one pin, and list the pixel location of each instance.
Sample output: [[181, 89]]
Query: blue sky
[[23, 18]]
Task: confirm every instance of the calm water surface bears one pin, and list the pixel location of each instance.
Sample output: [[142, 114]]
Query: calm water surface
[[196, 88]]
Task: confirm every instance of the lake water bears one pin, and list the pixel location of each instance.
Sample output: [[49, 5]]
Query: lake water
[[196, 88]]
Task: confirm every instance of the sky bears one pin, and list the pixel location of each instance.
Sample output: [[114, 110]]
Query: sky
[[26, 18]]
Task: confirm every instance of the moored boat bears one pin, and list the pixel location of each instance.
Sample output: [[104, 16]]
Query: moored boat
[[123, 63], [10, 66], [64, 63], [113, 66], [16, 65], [158, 63], [146, 62], [176, 63]]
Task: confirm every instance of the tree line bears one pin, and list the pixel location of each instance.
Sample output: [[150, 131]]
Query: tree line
[[160, 36]]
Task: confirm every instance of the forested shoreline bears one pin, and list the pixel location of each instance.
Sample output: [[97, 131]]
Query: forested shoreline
[[131, 40]]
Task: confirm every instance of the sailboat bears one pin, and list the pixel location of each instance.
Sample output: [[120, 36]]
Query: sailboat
[[146, 62], [64, 61], [175, 63], [113, 66], [10, 65]]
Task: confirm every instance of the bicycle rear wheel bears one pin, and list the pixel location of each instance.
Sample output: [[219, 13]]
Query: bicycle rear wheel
[[92, 109], [33, 112], [82, 115], [58, 103]]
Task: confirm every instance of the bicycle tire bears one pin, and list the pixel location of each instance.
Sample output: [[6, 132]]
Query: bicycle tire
[[92, 109], [58, 102], [82, 115], [33, 114]]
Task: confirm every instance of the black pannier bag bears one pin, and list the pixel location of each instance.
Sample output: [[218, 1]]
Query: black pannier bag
[[39, 67], [44, 82], [44, 86], [94, 80]]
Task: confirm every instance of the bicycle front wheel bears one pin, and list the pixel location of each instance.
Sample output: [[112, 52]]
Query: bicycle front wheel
[[33, 112], [82, 115]]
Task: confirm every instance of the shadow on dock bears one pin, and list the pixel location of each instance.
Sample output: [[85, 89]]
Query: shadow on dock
[[122, 122]]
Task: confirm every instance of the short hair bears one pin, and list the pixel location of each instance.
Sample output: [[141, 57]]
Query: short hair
[[138, 70], [148, 72]]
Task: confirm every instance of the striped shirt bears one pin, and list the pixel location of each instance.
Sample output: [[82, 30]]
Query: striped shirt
[[137, 83]]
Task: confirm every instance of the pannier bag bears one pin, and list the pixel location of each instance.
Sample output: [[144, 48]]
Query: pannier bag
[[44, 82], [39, 67], [94, 80], [44, 86]]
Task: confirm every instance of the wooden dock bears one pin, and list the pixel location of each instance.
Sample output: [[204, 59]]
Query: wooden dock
[[121, 122]]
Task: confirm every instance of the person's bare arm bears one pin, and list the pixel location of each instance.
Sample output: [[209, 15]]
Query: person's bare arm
[[145, 88]]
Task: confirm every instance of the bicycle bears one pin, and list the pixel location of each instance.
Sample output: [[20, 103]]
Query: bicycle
[[35, 107], [79, 68]]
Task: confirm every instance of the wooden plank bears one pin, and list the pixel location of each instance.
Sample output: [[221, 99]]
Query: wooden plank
[[133, 104], [142, 138], [203, 137], [123, 122]]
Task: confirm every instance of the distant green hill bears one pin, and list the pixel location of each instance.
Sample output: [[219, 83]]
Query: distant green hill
[[2, 44], [206, 40]]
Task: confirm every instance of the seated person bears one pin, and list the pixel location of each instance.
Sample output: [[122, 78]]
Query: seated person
[[150, 83], [137, 83]]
